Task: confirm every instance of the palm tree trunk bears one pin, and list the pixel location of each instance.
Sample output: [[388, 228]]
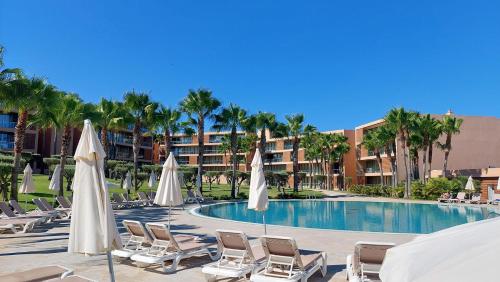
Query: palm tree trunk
[[262, 144], [430, 160], [402, 139], [18, 149], [310, 173], [136, 142], [296, 164], [234, 152], [381, 171], [65, 140], [201, 149], [446, 153], [424, 162]]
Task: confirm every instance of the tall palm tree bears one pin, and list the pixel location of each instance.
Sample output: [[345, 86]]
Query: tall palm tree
[[388, 135], [224, 148], [70, 112], [27, 96], [295, 127], [309, 141], [231, 118], [249, 125], [434, 134], [200, 105], [109, 116], [265, 121], [399, 120], [373, 142], [140, 108], [450, 126], [428, 130], [168, 120], [341, 148]]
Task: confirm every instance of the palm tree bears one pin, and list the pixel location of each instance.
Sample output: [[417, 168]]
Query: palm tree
[[70, 112], [428, 130], [265, 121], [224, 148], [399, 120], [168, 120], [388, 136], [341, 148], [373, 142], [309, 141], [249, 125], [434, 134], [27, 96], [450, 126], [109, 116], [295, 126], [200, 105], [231, 118], [140, 108]]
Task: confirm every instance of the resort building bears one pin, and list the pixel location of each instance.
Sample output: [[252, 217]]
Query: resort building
[[473, 149], [277, 157]]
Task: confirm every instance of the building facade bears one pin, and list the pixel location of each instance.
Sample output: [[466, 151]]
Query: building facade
[[476, 147]]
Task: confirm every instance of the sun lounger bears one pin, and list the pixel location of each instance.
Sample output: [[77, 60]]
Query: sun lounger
[[21, 224], [445, 198], [117, 202], [138, 242], [285, 262], [366, 261], [476, 199], [49, 207], [43, 205], [76, 278], [144, 198], [6, 210], [63, 203], [20, 211], [151, 195], [126, 198], [167, 247], [194, 197], [459, 199], [238, 258], [38, 274]]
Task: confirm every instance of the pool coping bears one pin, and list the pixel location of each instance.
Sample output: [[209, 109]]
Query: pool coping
[[195, 211]]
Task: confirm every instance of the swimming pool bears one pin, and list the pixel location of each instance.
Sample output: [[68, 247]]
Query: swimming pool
[[391, 217]]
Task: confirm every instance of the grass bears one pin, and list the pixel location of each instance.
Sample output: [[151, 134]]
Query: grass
[[218, 191]]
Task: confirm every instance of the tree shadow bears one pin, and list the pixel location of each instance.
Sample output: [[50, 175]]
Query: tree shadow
[[46, 251]]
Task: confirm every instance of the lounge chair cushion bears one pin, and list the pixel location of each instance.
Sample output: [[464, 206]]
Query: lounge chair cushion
[[124, 253], [37, 274], [144, 258], [309, 257]]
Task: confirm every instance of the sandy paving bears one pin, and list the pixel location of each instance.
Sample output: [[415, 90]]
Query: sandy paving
[[47, 245]]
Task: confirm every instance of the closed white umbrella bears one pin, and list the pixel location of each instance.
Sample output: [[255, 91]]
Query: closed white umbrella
[[258, 198], [152, 181], [467, 252], [498, 183], [168, 192], [470, 184], [127, 184], [93, 227], [27, 184], [55, 182]]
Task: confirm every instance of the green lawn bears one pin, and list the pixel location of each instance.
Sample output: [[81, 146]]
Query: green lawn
[[221, 191]]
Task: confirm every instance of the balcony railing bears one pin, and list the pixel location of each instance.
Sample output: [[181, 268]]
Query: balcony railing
[[372, 170]]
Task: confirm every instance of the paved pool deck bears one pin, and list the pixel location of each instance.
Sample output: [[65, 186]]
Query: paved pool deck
[[48, 245]]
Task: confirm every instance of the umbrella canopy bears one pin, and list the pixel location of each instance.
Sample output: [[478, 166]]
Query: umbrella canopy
[[127, 184], [152, 180], [27, 185], [93, 227], [470, 184], [257, 198], [467, 252], [54, 181], [498, 184], [169, 187]]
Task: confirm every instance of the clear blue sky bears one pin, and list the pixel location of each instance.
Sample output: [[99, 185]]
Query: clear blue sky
[[341, 63]]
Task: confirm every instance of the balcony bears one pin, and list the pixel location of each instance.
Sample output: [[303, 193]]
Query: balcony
[[182, 140], [6, 145], [215, 138], [372, 170]]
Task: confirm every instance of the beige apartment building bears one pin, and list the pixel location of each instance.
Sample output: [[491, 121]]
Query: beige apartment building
[[476, 147]]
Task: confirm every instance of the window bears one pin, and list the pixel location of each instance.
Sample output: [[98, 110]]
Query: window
[[273, 158], [182, 140], [371, 166], [185, 150], [8, 120], [215, 138], [212, 150], [6, 141], [212, 160], [288, 144], [270, 146]]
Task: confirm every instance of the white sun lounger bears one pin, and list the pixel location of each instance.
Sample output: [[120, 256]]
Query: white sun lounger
[[21, 212], [238, 258], [285, 262], [365, 263], [38, 274], [138, 242], [167, 247]]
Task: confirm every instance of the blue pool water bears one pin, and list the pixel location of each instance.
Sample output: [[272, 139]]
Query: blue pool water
[[355, 216]]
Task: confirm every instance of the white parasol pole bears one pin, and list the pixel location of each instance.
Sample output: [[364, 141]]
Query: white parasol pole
[[108, 253], [264, 221]]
